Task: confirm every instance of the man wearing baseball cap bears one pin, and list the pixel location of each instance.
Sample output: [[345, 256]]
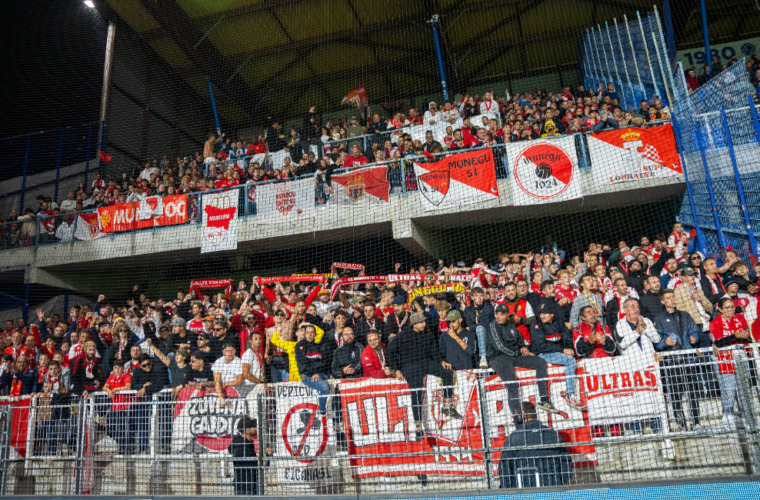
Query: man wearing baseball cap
[[458, 343], [506, 349], [413, 354]]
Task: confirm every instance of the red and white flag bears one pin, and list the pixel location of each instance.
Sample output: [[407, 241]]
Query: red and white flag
[[459, 179], [88, 226], [219, 221], [285, 201], [366, 186], [357, 96], [633, 154], [544, 171]]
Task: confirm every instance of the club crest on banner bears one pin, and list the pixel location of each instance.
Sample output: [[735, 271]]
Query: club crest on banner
[[285, 199], [355, 188], [251, 193], [220, 224], [543, 171], [437, 405], [435, 186]]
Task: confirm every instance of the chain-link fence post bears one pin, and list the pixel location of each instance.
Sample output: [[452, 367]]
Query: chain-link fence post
[[487, 455], [262, 434], [748, 409], [5, 425], [80, 444]]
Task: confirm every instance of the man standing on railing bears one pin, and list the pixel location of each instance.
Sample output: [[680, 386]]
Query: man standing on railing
[[679, 375]]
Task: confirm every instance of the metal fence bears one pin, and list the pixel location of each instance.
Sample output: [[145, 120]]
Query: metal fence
[[686, 414]]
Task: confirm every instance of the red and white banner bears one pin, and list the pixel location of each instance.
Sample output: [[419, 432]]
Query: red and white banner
[[633, 154], [544, 171], [620, 390], [360, 188], [219, 227], [572, 424], [285, 201], [357, 96], [346, 265], [201, 425], [459, 179], [380, 428], [198, 285], [88, 226], [263, 280], [153, 211], [354, 280]]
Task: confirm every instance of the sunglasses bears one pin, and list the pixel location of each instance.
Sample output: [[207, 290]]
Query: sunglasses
[[146, 364], [218, 329]]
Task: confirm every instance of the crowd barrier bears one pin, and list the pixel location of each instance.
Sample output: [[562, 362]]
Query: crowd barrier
[[687, 414], [605, 155]]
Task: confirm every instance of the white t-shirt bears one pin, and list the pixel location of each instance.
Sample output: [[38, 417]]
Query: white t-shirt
[[229, 371], [249, 358]]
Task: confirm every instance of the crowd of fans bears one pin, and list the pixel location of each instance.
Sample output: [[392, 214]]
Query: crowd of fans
[[318, 150], [519, 310], [709, 71]]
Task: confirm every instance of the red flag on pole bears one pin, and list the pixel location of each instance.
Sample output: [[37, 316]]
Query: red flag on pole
[[105, 157], [357, 96]]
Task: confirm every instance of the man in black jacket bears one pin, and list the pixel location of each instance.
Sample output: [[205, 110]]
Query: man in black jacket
[[651, 305], [398, 319], [506, 350], [549, 465], [477, 317], [369, 322], [244, 449], [147, 380], [312, 366], [413, 354], [347, 359]]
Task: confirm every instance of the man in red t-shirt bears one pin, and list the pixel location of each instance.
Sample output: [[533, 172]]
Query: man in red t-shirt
[[356, 158], [117, 419]]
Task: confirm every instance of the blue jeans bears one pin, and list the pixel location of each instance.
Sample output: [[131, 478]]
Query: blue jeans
[[278, 375], [480, 333], [321, 387], [557, 358], [727, 391]]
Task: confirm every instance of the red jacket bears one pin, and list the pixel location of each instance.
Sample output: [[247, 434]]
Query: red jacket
[[585, 349], [371, 365]]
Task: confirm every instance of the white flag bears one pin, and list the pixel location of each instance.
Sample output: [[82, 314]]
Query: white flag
[[285, 201], [219, 221]]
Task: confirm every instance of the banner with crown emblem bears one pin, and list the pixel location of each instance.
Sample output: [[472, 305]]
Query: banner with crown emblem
[[632, 154], [366, 186], [285, 201]]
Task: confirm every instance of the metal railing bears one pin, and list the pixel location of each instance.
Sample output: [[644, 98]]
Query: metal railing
[[686, 414], [65, 227]]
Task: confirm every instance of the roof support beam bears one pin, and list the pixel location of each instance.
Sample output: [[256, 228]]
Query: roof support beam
[[205, 57]]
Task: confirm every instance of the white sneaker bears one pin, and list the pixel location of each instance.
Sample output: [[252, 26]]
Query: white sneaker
[[483, 362]]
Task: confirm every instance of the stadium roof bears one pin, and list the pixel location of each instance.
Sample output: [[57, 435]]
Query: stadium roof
[[277, 57]]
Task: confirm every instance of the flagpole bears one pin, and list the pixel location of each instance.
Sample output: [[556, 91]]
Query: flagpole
[[434, 23]]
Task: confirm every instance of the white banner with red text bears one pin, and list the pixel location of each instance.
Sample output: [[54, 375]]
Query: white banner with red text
[[285, 201]]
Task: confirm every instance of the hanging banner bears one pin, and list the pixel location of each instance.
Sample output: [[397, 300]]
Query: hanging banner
[[219, 224], [19, 425], [88, 226], [544, 171], [360, 188], [153, 211], [621, 390], [285, 201], [202, 425], [459, 179], [304, 434], [380, 428], [357, 96], [572, 424], [633, 154]]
